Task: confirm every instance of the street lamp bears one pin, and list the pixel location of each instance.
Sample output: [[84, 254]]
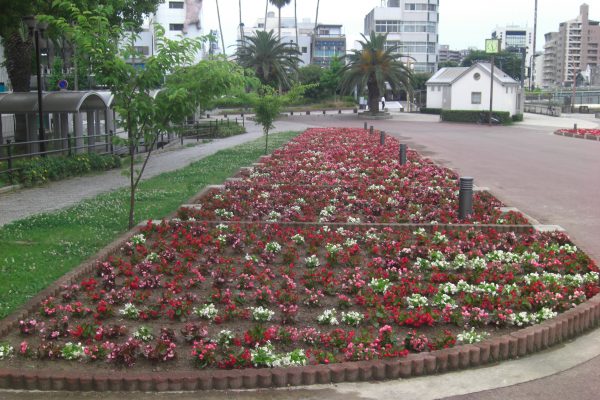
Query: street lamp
[[36, 29]]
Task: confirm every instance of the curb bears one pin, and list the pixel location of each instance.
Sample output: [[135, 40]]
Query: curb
[[578, 136]]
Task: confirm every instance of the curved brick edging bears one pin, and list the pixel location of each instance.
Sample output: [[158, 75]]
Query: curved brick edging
[[517, 344], [578, 136]]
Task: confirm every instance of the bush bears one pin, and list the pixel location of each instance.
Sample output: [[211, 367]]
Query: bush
[[473, 116], [435, 111], [40, 170], [517, 118]]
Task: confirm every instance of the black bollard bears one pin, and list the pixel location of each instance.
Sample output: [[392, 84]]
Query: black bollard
[[465, 197], [371, 130], [382, 138], [402, 154], [365, 126]]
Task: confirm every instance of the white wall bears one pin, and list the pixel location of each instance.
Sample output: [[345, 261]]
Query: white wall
[[434, 96], [503, 101]]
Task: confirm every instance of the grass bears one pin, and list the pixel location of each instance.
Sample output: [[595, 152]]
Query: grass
[[37, 250]]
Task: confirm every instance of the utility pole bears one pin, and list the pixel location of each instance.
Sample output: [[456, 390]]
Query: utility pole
[[532, 61]]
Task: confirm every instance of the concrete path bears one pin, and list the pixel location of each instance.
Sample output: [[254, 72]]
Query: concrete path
[[554, 179], [56, 195]]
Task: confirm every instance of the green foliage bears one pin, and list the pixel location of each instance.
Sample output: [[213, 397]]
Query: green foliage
[[41, 170], [517, 118], [36, 251], [448, 64], [419, 80], [312, 74], [435, 111], [372, 67], [473, 116], [267, 108], [273, 62], [332, 77], [507, 61]]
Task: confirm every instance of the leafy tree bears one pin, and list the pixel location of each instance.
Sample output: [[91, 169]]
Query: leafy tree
[[332, 76], [144, 116], [311, 75], [272, 61], [372, 66], [279, 4], [507, 61], [448, 64]]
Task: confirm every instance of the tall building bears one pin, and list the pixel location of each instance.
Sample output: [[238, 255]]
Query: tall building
[[288, 32], [517, 39], [572, 49], [328, 41], [177, 18], [413, 26], [3, 73]]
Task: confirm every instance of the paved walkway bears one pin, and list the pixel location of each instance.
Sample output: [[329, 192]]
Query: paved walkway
[[56, 195], [555, 179]]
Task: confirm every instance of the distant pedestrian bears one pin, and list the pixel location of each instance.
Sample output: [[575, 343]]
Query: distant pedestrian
[[383, 103]]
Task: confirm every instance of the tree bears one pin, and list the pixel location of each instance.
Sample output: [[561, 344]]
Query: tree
[[280, 4], [310, 75], [447, 64], [507, 61], [332, 77], [372, 67], [144, 116], [272, 61]]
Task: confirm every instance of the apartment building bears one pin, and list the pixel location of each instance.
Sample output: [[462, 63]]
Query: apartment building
[[571, 50], [328, 41], [447, 55], [413, 26]]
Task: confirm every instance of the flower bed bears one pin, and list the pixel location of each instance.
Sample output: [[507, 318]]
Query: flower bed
[[353, 180], [247, 288], [593, 134], [256, 295]]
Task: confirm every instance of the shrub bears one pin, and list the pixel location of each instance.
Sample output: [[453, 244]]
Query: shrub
[[473, 116], [435, 111], [517, 118], [40, 170]]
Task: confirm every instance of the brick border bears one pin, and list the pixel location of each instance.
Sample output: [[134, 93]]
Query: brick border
[[578, 136], [518, 344], [530, 340]]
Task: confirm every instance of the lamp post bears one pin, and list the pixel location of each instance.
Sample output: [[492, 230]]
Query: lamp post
[[36, 29], [492, 46]]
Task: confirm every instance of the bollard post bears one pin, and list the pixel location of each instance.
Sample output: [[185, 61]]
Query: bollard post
[[323, 112], [339, 111], [575, 127], [243, 120], [402, 154], [291, 113], [465, 197], [382, 138], [69, 143], [366, 126], [371, 130], [110, 138], [10, 165], [207, 115]]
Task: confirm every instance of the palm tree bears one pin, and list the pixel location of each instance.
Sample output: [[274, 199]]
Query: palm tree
[[280, 4], [372, 66], [317, 16], [266, 11], [272, 60], [220, 27]]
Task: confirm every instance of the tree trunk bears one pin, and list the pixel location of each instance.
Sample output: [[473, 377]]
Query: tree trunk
[[131, 184], [220, 27], [17, 53], [266, 142], [373, 100], [266, 10], [279, 24], [296, 22]]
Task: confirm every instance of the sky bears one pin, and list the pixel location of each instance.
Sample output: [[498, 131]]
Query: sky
[[463, 23]]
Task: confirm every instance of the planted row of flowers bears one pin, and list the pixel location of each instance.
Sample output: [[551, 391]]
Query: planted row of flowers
[[255, 295], [344, 175], [580, 132]]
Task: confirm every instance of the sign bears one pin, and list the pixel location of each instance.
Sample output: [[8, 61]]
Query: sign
[[63, 84], [492, 46]]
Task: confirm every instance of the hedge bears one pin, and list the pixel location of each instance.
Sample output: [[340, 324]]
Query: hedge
[[473, 116], [40, 170], [435, 111]]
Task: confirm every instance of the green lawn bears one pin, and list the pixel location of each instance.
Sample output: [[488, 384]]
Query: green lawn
[[36, 251]]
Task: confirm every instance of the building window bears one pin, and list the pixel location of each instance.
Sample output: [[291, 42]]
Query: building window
[[304, 49], [475, 97], [477, 76], [175, 27], [143, 50], [176, 4]]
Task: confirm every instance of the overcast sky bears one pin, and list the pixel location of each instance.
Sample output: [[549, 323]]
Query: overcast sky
[[463, 23]]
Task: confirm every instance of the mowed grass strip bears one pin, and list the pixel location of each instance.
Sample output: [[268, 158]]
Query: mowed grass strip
[[36, 251]]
